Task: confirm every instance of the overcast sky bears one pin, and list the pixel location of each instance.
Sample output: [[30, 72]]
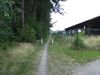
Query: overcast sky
[[76, 11]]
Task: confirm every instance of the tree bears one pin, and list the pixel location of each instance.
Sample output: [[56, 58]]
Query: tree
[[18, 17]]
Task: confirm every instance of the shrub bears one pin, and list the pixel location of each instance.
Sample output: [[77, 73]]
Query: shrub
[[78, 41], [28, 34]]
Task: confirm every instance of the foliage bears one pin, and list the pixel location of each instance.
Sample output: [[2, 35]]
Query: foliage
[[21, 59], [62, 50], [37, 11], [92, 42], [78, 41], [25, 20], [28, 34]]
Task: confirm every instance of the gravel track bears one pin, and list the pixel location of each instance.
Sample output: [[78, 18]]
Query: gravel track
[[92, 68], [42, 69]]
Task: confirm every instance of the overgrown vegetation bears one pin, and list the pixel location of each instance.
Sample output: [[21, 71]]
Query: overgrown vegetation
[[20, 60], [77, 41], [92, 42], [26, 20], [23, 21], [64, 47], [59, 62]]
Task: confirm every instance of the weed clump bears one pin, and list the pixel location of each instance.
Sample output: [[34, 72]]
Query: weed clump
[[78, 42]]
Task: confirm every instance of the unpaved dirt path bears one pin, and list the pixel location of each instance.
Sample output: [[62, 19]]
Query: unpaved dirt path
[[42, 69], [92, 68]]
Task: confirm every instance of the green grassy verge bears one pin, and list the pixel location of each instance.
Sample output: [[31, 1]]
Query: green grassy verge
[[20, 60], [59, 62], [83, 56], [62, 58]]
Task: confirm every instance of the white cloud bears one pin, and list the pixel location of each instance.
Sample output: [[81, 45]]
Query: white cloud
[[78, 11]]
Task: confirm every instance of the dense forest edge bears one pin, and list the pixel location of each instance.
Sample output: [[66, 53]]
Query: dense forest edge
[[26, 20], [22, 24]]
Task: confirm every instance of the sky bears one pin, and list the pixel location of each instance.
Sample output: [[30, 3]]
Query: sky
[[77, 11]]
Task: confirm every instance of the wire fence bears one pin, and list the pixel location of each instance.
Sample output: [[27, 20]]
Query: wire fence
[[88, 31], [78, 34]]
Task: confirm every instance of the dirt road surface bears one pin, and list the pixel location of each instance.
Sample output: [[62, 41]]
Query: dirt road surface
[[92, 68]]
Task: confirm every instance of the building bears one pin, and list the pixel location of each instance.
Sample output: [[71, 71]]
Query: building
[[91, 27]]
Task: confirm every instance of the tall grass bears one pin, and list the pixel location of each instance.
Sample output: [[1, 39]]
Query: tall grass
[[59, 62], [92, 42], [89, 48], [20, 60], [63, 58]]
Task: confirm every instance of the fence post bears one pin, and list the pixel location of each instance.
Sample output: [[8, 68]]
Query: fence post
[[77, 37], [52, 41], [41, 41]]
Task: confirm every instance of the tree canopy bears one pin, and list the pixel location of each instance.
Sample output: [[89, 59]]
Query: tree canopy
[[26, 20]]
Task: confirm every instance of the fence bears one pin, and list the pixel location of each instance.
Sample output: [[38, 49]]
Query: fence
[[78, 33], [89, 31]]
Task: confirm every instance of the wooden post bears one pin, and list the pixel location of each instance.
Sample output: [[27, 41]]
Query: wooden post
[[77, 38], [52, 41], [41, 41]]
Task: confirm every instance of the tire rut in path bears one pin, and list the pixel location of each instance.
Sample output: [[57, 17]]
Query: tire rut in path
[[42, 69]]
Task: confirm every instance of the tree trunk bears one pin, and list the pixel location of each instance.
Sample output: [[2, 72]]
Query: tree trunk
[[34, 9], [22, 13]]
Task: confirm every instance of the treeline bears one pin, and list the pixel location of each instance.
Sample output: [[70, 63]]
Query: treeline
[[25, 20]]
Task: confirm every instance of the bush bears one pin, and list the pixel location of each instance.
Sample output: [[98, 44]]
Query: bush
[[78, 41], [28, 34]]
